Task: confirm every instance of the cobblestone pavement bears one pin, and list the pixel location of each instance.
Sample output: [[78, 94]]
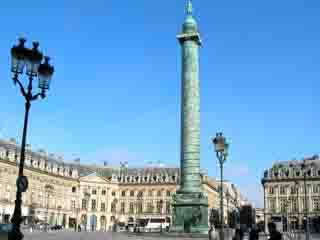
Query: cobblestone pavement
[[68, 235]]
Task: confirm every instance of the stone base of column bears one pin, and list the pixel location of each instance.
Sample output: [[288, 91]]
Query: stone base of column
[[190, 213]]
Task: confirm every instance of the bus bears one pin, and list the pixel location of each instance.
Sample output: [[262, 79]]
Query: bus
[[152, 224]]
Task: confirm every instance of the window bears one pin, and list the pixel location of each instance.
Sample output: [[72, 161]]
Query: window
[[113, 207], [315, 189], [131, 193], [159, 193], [271, 190], [316, 204], [122, 207], [159, 206], [294, 205], [93, 204], [272, 205], [150, 193], [283, 205], [73, 204], [139, 207], [168, 205], [140, 194], [74, 189], [123, 193], [131, 207], [84, 204], [103, 192], [168, 194], [103, 207], [150, 207], [282, 190], [94, 192], [113, 193]]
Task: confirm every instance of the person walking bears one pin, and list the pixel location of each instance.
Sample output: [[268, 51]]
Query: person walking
[[274, 233], [238, 235], [254, 233]]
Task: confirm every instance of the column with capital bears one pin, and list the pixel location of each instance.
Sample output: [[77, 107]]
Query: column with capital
[[191, 207]]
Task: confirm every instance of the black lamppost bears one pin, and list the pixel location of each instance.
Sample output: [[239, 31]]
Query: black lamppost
[[306, 205], [221, 149], [228, 195], [30, 59]]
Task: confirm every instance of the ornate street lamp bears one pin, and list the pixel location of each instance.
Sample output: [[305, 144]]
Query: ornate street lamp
[[28, 60], [221, 148]]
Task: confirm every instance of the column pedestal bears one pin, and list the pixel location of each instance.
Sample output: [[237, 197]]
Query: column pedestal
[[190, 213]]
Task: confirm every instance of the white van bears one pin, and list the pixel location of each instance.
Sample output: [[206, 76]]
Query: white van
[[156, 225]]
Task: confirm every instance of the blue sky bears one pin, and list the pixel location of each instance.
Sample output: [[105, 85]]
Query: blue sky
[[116, 90]]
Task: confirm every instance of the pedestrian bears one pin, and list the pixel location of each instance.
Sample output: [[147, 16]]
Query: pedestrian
[[212, 233], [238, 235], [274, 233], [254, 233]]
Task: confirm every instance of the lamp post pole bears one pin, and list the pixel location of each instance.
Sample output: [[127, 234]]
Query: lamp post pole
[[228, 198], [221, 149], [31, 59]]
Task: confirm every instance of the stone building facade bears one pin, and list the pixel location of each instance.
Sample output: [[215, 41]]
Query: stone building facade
[[93, 197], [284, 193]]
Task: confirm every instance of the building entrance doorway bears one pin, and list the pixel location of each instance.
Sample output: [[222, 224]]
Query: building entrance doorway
[[93, 223]]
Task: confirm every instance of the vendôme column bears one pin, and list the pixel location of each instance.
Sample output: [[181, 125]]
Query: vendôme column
[[190, 105], [190, 204]]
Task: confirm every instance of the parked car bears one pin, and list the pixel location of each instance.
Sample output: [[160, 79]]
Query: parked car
[[56, 227], [121, 227], [131, 227]]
